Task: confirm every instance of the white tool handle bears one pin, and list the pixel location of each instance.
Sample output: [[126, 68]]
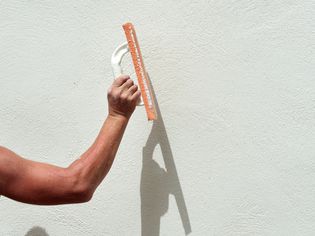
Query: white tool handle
[[116, 59]]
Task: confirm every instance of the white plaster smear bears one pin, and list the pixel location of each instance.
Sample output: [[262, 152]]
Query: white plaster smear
[[235, 83]]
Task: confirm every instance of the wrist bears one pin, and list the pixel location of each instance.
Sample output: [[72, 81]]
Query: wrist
[[118, 117]]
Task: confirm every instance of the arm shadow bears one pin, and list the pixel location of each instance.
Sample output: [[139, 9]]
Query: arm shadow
[[158, 183], [37, 231]]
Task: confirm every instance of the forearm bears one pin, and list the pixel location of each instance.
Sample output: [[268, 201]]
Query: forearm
[[95, 163], [39, 183]]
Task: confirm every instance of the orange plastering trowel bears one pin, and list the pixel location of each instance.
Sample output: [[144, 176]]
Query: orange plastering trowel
[[132, 45]]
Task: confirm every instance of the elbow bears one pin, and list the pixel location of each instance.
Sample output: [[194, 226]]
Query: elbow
[[84, 197], [81, 190], [82, 194]]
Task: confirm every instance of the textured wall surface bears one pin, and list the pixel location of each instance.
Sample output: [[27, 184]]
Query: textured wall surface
[[235, 81]]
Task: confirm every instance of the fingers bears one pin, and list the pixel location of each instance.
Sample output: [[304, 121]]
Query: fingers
[[136, 96], [123, 97], [120, 80], [132, 94], [124, 82], [126, 88], [133, 89]]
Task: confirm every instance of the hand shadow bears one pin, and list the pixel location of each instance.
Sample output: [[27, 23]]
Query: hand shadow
[[158, 183]]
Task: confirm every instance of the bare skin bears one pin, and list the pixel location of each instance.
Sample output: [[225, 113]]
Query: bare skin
[[44, 184]]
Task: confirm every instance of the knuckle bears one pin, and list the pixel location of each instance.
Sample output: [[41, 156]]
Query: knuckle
[[117, 80], [114, 93], [110, 95], [109, 91], [123, 97], [125, 76], [122, 77]]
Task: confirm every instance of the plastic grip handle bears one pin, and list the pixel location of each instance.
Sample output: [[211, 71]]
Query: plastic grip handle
[[116, 59]]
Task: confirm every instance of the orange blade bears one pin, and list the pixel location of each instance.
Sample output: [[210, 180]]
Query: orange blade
[[143, 81]]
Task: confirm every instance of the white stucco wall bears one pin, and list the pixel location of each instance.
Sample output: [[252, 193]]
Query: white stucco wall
[[235, 83]]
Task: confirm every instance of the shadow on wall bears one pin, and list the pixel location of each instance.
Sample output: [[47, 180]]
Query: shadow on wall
[[157, 184], [37, 231]]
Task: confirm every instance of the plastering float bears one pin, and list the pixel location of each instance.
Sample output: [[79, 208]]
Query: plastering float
[[132, 46]]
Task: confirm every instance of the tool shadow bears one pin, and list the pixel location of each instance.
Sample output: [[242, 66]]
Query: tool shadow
[[158, 183]]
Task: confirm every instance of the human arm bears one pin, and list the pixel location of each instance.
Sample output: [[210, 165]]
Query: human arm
[[40, 183]]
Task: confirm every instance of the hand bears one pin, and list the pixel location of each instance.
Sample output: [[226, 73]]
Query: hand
[[123, 97]]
